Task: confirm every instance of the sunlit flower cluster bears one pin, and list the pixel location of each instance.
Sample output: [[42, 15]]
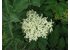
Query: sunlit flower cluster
[[35, 26]]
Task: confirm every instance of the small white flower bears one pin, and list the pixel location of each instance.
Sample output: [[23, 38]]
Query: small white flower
[[36, 26]]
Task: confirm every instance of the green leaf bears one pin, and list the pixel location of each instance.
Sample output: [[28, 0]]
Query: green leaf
[[61, 43], [64, 30], [36, 2], [6, 4], [51, 2], [59, 10], [32, 45], [20, 5], [15, 44], [53, 39], [42, 43], [14, 18], [18, 44], [65, 17], [7, 27], [6, 39], [7, 7]]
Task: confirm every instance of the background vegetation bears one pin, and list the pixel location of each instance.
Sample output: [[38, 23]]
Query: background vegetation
[[13, 11]]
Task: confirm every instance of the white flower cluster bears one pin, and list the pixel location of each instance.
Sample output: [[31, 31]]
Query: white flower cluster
[[36, 26]]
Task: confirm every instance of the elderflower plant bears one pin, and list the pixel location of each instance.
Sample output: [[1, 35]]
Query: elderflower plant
[[35, 26]]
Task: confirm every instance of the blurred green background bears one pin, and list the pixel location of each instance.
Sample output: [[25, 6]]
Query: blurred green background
[[13, 11]]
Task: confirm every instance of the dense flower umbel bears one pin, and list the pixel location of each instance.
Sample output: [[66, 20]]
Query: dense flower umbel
[[35, 26]]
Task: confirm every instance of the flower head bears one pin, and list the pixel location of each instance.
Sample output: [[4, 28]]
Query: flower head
[[35, 26]]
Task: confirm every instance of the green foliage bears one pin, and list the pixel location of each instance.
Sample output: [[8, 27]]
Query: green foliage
[[36, 2], [15, 10], [53, 39], [61, 43], [14, 18], [42, 43], [32, 45], [19, 6]]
